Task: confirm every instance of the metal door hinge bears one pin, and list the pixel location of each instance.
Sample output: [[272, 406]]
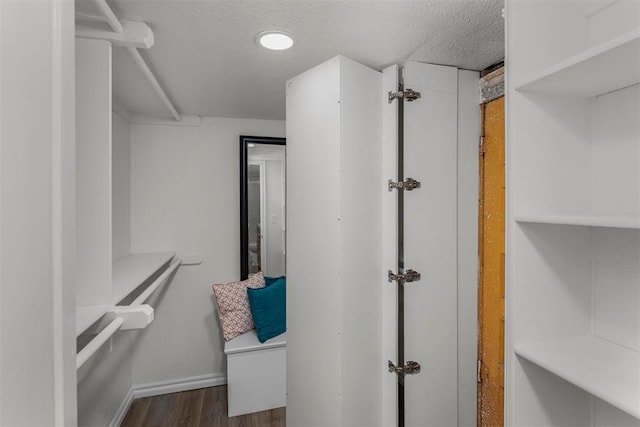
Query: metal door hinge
[[408, 276], [479, 373], [408, 94], [409, 368], [408, 184]]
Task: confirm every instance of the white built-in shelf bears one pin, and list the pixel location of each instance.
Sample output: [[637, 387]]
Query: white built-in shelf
[[606, 370], [132, 270], [603, 220], [601, 69], [87, 315]]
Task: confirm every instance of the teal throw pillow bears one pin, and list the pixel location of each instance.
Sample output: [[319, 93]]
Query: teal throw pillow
[[268, 281], [269, 309]]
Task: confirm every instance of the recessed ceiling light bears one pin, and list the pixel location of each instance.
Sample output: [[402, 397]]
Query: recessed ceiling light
[[275, 40]]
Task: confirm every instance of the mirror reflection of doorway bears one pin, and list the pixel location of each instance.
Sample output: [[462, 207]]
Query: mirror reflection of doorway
[[255, 215], [263, 215]]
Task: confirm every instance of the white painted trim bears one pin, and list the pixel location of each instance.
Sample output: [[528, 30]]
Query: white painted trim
[[389, 240], [165, 387], [122, 410], [140, 119], [63, 210], [182, 384]]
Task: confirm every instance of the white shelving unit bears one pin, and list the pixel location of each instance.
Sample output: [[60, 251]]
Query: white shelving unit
[[573, 248], [601, 69], [101, 282], [604, 369], [93, 181], [135, 269], [608, 220], [128, 273]]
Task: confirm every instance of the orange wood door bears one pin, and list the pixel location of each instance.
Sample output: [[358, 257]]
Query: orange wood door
[[492, 267]]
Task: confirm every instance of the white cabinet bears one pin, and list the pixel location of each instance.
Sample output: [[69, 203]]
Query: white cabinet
[[334, 181], [573, 248]]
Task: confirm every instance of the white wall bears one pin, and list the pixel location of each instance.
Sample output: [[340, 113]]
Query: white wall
[[37, 146], [121, 188], [185, 198]]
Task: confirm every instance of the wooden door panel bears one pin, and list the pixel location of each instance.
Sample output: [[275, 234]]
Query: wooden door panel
[[492, 253]]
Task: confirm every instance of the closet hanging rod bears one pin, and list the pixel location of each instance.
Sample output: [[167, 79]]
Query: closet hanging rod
[[154, 82], [117, 27], [90, 18], [93, 345], [110, 17], [161, 280]]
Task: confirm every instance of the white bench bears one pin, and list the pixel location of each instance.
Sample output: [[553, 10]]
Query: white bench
[[256, 373]]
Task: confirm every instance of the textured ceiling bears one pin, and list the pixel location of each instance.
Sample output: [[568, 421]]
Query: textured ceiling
[[206, 58]]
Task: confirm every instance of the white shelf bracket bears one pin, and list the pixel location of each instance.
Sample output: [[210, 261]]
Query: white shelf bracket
[[134, 34], [121, 318], [133, 316]]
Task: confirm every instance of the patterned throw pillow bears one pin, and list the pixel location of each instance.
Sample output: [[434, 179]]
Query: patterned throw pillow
[[233, 305]]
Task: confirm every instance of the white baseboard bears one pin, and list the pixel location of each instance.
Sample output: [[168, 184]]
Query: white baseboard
[[165, 387], [181, 384], [122, 410]]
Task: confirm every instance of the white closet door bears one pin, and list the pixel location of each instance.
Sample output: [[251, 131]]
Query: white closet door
[[390, 78], [430, 217]]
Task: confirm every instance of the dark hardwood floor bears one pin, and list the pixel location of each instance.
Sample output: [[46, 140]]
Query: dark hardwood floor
[[203, 407]]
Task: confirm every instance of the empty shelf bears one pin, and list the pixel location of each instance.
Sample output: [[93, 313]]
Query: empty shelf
[[593, 220], [606, 370], [131, 271], [87, 315], [601, 69]]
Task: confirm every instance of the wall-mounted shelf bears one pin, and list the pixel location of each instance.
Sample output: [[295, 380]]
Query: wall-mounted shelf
[[87, 316], [606, 370], [573, 222], [604, 220], [601, 69], [131, 271]]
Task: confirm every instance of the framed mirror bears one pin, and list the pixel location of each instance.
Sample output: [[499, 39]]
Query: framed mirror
[[262, 206]]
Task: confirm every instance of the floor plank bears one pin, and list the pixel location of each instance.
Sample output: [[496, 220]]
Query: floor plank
[[137, 412], [205, 407], [160, 410]]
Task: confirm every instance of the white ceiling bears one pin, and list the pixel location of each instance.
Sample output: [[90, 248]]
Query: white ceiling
[[206, 59]]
